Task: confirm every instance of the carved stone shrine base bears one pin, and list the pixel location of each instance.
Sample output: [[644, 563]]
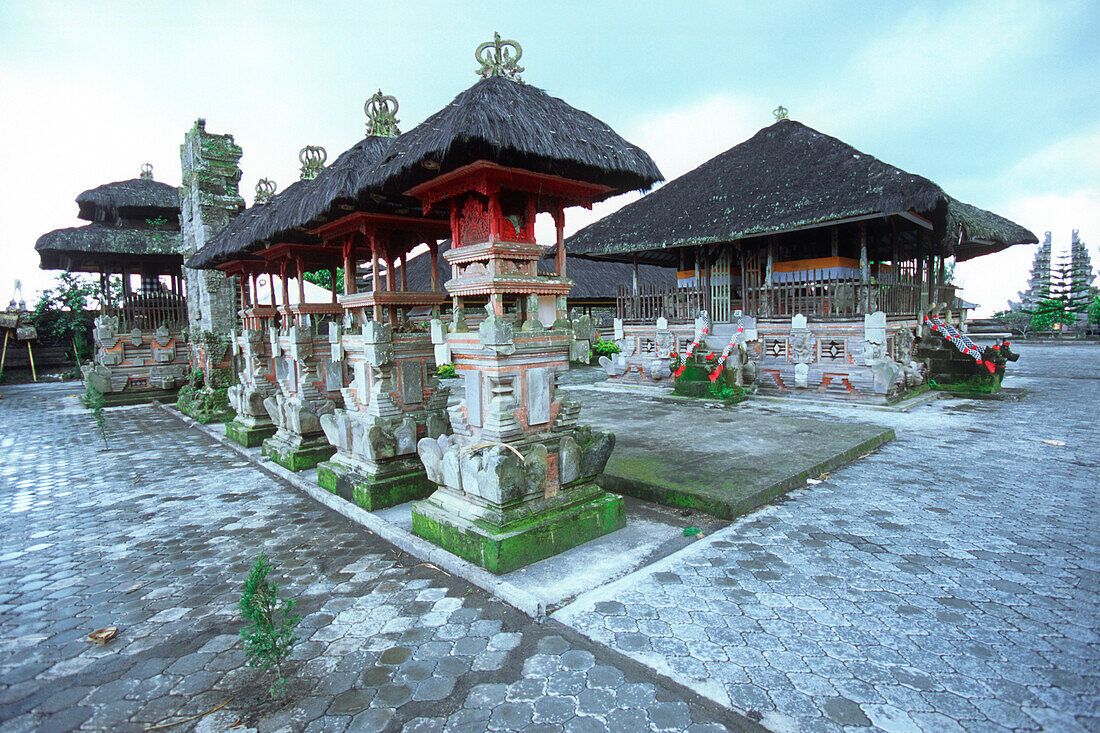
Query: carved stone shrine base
[[249, 436], [392, 481], [297, 452], [504, 548]]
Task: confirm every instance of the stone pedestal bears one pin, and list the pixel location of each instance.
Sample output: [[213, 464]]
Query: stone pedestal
[[297, 408], [393, 399], [252, 424], [517, 478]]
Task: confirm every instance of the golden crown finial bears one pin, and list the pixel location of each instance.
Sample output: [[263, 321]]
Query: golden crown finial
[[497, 60]]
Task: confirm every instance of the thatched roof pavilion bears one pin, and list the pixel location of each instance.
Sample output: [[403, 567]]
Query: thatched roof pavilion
[[497, 118], [516, 125], [135, 226], [787, 178], [287, 216]]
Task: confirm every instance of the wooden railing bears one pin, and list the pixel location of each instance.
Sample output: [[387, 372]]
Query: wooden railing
[[821, 297], [833, 298], [654, 301], [150, 312]]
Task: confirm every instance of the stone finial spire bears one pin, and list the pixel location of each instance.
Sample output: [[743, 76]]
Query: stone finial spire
[[496, 60], [265, 191], [147, 171], [313, 159], [381, 111]]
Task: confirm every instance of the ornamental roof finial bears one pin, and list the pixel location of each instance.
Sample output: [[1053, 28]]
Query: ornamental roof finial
[[147, 171], [313, 159], [265, 191], [780, 113], [499, 61], [381, 111]]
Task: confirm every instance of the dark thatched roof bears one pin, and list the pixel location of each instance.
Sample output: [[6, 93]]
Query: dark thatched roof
[[134, 199], [786, 177], [517, 125], [496, 119], [88, 248], [303, 201], [983, 232], [592, 279]]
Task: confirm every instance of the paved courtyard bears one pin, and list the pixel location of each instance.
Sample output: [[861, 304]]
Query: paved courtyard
[[948, 581]]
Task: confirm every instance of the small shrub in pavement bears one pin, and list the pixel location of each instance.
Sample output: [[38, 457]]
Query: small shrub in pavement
[[269, 637]]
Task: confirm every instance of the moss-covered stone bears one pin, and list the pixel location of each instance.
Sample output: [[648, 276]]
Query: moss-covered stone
[[296, 458], [138, 397], [502, 550], [716, 488], [248, 436], [373, 492]]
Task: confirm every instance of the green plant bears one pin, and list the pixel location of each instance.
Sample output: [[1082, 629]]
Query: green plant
[[604, 348], [1050, 312], [93, 399], [446, 371], [62, 313], [269, 637], [324, 279], [1094, 309]]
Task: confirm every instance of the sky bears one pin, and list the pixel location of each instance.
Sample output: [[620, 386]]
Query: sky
[[997, 102]]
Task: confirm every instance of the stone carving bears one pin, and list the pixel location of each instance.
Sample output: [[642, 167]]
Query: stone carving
[[496, 333], [299, 413], [499, 479], [613, 368], [665, 342], [801, 375], [803, 347], [888, 374], [537, 393], [657, 369]]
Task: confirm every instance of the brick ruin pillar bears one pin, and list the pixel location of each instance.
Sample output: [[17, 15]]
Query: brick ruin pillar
[[209, 199]]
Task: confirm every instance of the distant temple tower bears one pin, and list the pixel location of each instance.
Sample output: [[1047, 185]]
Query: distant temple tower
[[1038, 286], [209, 199]]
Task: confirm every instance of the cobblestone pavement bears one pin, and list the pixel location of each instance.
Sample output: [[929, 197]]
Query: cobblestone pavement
[[950, 581], [155, 537]]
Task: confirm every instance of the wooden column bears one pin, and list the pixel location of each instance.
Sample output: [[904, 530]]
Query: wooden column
[[920, 272], [766, 310], [349, 265], [634, 277], [285, 284], [834, 240], [376, 280], [559, 227], [301, 282], [433, 250], [271, 288], [332, 282], [404, 280]]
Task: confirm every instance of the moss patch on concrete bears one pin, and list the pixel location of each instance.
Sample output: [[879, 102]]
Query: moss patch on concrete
[[721, 462], [296, 459], [249, 437], [373, 493], [504, 550]]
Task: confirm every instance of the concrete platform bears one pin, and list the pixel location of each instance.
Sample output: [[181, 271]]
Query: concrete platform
[[722, 461]]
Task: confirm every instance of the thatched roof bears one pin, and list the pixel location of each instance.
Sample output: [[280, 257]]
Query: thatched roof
[[592, 279], [517, 125], [983, 232], [137, 198], [95, 246], [786, 177], [345, 181]]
